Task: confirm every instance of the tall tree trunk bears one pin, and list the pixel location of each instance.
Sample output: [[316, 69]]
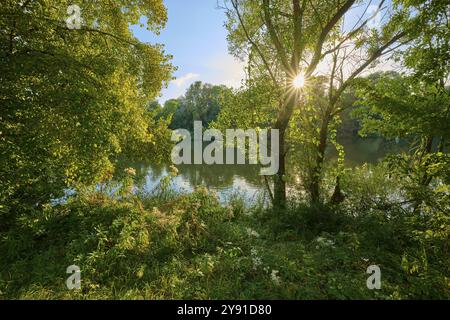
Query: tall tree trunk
[[279, 192], [338, 197], [284, 115], [317, 170]]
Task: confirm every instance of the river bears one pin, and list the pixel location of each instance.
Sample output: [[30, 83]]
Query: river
[[245, 180]]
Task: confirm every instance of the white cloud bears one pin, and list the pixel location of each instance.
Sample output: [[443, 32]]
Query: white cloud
[[216, 70], [225, 69], [181, 81]]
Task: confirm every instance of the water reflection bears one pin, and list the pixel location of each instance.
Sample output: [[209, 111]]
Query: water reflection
[[245, 179], [224, 179]]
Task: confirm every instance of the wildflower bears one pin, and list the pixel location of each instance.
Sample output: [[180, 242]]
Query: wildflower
[[130, 171], [173, 171], [256, 260], [325, 242], [200, 273], [252, 232], [275, 278]]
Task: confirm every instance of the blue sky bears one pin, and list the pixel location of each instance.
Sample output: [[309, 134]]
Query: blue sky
[[196, 38]]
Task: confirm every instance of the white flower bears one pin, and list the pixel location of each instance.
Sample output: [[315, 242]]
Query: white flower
[[252, 232], [275, 278], [256, 260], [325, 242]]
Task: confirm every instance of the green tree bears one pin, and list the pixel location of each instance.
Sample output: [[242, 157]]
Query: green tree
[[284, 42], [416, 104], [202, 102], [170, 107], [72, 98]]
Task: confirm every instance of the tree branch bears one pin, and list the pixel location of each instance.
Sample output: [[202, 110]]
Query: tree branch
[[323, 35], [354, 31], [377, 54], [298, 26], [274, 37], [249, 39]]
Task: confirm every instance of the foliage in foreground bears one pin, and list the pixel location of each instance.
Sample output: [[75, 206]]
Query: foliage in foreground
[[192, 247], [71, 99]]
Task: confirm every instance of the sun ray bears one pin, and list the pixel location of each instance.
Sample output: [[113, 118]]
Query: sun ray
[[299, 81]]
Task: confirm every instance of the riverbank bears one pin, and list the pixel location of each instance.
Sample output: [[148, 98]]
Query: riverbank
[[190, 246]]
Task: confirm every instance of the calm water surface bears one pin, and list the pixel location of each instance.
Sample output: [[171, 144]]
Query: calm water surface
[[227, 180]]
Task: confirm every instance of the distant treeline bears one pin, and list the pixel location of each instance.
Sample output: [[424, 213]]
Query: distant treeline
[[201, 102]]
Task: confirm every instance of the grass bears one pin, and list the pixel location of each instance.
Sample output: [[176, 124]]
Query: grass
[[192, 247]]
